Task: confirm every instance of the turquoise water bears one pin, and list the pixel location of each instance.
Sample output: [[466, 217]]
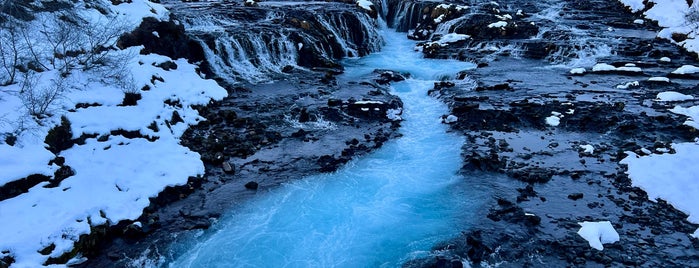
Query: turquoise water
[[378, 211]]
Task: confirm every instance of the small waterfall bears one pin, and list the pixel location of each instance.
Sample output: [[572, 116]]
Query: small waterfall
[[250, 56], [404, 15]]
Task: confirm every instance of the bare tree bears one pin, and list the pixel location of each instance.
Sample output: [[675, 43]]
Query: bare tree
[[37, 99], [11, 48], [101, 37], [61, 34]]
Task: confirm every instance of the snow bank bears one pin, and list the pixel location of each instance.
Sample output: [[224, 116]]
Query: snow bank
[[114, 177], [672, 177], [598, 233]]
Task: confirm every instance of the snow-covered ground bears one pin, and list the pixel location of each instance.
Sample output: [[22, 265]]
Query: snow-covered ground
[[114, 176], [675, 16]]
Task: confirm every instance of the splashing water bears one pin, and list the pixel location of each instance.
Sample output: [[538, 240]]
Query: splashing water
[[386, 208]]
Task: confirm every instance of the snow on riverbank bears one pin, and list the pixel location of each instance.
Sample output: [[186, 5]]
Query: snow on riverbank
[[672, 177], [114, 175], [677, 18]]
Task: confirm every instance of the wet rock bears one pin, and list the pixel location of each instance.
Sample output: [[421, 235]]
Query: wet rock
[[575, 196], [228, 168], [251, 185], [388, 76]]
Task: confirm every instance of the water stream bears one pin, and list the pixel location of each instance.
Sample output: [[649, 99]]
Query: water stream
[[381, 210]]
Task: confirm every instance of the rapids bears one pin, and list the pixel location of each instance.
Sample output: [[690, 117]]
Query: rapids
[[380, 210]]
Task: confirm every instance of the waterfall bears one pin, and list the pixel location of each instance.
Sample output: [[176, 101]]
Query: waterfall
[[257, 44]]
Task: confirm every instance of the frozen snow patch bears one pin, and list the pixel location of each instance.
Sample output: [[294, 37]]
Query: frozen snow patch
[[686, 69], [394, 114], [603, 67], [598, 233], [499, 24], [588, 149], [450, 119], [554, 120], [665, 59], [628, 85], [659, 79], [365, 4], [673, 96], [577, 71]]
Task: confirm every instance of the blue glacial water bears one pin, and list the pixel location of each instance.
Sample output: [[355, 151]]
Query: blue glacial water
[[381, 210]]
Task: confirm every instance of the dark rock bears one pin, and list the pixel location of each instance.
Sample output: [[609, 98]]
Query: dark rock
[[131, 99], [60, 137], [167, 65], [251, 185], [388, 76], [477, 250], [575, 196], [228, 168]]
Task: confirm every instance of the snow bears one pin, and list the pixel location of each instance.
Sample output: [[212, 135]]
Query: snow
[[634, 5], [672, 177], [553, 120], [659, 79], [665, 59], [451, 119], [673, 96], [588, 149], [628, 85], [691, 112], [394, 114], [638, 21], [440, 18], [27, 159], [367, 102], [499, 24], [577, 71], [603, 67], [450, 38], [598, 233], [365, 4], [670, 15], [114, 178], [686, 69]]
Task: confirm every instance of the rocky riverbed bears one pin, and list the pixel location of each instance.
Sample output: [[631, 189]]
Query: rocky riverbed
[[550, 138], [545, 134]]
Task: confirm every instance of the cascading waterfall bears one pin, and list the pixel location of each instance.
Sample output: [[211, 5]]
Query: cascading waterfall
[[256, 44], [378, 211], [250, 56]]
